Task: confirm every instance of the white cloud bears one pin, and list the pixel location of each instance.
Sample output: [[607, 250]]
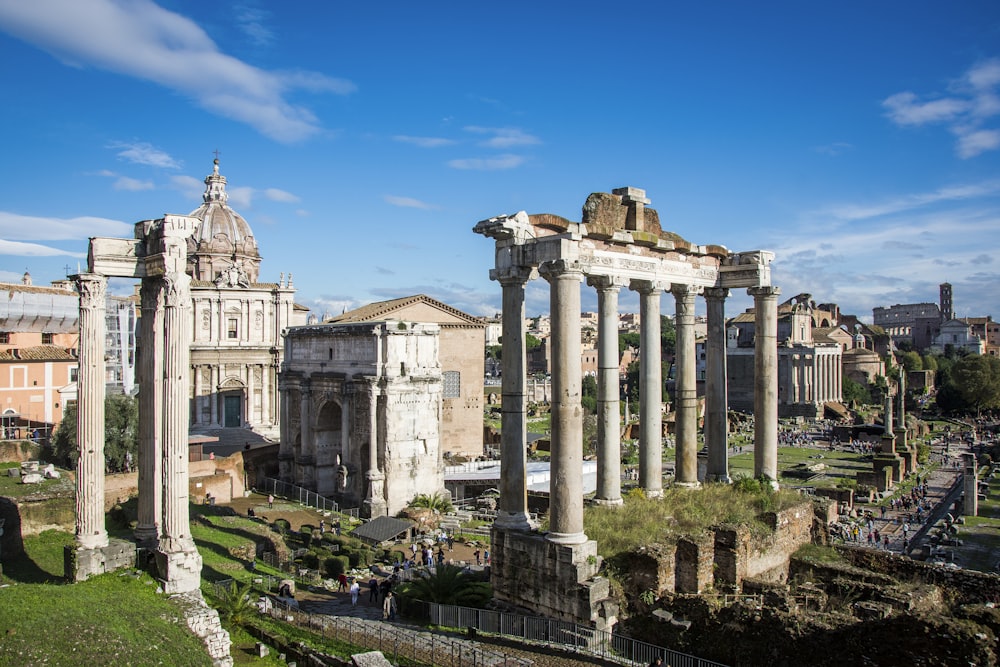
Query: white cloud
[[851, 212], [145, 154], [274, 194], [189, 186], [408, 202], [504, 137], [835, 149], [132, 184], [974, 100], [34, 250], [251, 20], [240, 197], [488, 164], [424, 142], [33, 228], [145, 41]]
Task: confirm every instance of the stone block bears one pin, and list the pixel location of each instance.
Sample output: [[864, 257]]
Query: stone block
[[32, 478]]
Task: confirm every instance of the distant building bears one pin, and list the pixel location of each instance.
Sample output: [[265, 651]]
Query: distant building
[[916, 323], [957, 334]]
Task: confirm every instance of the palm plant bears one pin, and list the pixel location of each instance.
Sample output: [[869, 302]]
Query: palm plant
[[448, 584], [236, 604], [438, 502]]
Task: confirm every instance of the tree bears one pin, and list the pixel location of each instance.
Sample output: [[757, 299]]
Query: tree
[[668, 336], [438, 502], [531, 342], [589, 393], [121, 434], [855, 392], [930, 362], [448, 584], [911, 361], [977, 379], [494, 352]]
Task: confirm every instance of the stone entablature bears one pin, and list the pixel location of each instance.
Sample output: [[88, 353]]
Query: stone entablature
[[361, 408]]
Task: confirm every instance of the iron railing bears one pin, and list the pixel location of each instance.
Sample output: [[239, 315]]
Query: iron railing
[[578, 638], [305, 497]]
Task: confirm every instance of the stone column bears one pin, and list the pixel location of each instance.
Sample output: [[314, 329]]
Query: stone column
[[765, 380], [566, 481], [306, 462], [716, 399], [151, 402], [286, 448], [90, 468], [213, 396], [249, 415], [687, 388], [609, 441], [374, 504], [346, 393], [512, 512], [650, 388]]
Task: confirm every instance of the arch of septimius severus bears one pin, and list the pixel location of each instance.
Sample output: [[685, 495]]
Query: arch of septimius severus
[[619, 243]]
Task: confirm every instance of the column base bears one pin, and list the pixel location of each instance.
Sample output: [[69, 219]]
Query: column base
[[98, 540], [653, 493], [373, 507], [609, 502], [722, 479], [513, 521], [180, 571], [147, 537], [688, 485], [566, 538]]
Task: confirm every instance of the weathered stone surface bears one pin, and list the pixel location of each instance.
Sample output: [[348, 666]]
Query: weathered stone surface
[[32, 478], [370, 659]]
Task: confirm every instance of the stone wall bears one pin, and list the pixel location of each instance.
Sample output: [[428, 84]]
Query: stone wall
[[19, 450]]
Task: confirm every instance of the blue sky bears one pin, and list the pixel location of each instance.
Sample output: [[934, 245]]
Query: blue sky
[[860, 142]]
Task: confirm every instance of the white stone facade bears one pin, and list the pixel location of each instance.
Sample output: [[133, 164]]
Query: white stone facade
[[361, 413]]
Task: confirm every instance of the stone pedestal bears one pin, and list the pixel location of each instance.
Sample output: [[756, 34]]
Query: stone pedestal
[[553, 580], [893, 462], [180, 570], [81, 563]]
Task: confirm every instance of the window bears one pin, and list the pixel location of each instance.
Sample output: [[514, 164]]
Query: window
[[4, 337], [232, 327], [452, 384], [46, 338]]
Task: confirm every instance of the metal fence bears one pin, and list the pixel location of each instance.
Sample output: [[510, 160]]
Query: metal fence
[[394, 641], [304, 496], [572, 636]]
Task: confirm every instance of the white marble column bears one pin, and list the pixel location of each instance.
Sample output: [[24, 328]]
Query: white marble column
[[716, 399], [765, 400], [90, 469], [213, 396], [650, 388], [687, 388], [566, 482], [151, 402], [374, 504], [512, 512], [609, 444]]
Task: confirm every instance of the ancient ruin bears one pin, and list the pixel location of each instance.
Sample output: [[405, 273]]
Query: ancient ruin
[[619, 243]]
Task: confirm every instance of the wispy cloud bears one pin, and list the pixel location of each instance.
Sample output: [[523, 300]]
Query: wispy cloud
[[189, 186], [143, 40], [132, 184], [34, 228], [972, 100], [424, 142], [488, 164], [834, 149], [252, 22], [408, 202], [274, 194], [34, 250], [240, 197], [144, 154], [953, 193], [504, 137]]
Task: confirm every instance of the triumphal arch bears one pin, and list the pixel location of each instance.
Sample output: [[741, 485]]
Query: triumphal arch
[[158, 256], [619, 243]]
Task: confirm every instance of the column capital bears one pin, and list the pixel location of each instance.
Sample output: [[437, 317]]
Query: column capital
[[606, 283], [681, 290], [648, 287], [513, 275], [561, 267], [92, 288], [763, 292], [712, 293]]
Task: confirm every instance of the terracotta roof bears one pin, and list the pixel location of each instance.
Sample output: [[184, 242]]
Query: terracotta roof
[[37, 353], [35, 289], [383, 309]]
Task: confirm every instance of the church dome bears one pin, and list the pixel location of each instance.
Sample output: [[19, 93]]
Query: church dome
[[223, 243]]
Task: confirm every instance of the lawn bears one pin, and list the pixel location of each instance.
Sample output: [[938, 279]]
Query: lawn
[[841, 466], [11, 487]]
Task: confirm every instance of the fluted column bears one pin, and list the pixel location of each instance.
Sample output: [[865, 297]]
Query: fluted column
[[90, 530], [176, 530], [765, 399], [650, 388], [286, 448], [512, 512], [716, 399], [687, 388], [566, 481], [151, 403], [609, 442], [307, 452]]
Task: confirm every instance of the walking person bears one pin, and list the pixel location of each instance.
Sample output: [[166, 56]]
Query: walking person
[[270, 502], [373, 590], [389, 607], [355, 591]]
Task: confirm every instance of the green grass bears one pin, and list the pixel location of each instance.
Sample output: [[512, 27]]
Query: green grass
[[12, 487], [112, 619], [679, 512]]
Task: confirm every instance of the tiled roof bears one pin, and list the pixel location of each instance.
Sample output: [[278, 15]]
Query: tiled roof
[[35, 289], [383, 309], [382, 529], [37, 353]]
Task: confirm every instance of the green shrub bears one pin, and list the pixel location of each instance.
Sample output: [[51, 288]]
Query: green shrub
[[397, 556], [355, 558], [311, 560], [281, 526], [335, 565]]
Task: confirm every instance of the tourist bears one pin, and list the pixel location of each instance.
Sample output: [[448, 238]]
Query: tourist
[[342, 581], [389, 607], [355, 590], [270, 502], [373, 590], [486, 557], [322, 526], [479, 557]]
